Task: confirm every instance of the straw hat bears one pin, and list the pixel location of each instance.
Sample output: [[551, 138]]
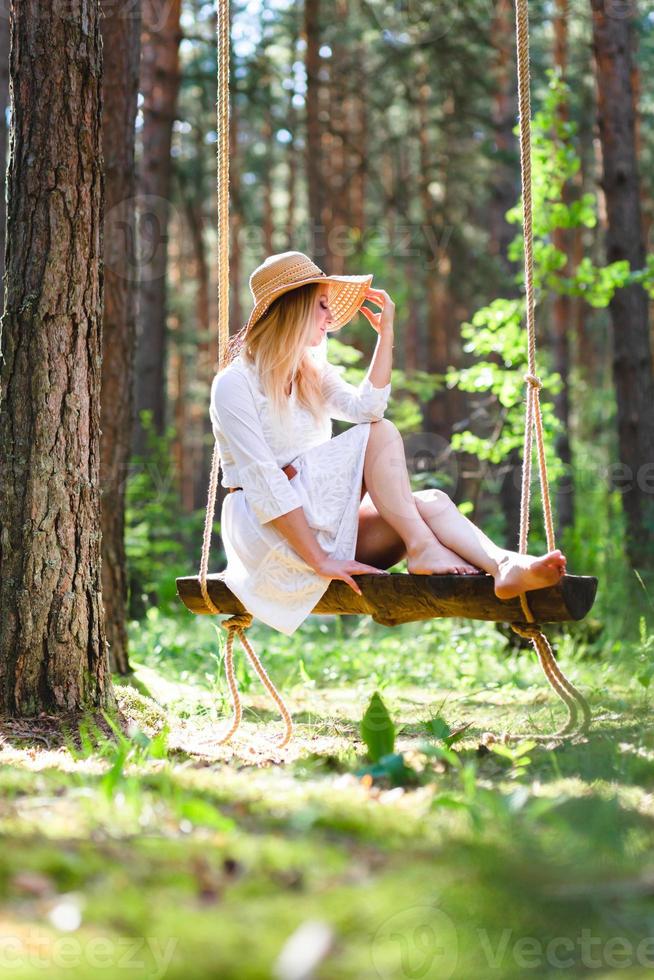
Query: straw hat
[[288, 270]]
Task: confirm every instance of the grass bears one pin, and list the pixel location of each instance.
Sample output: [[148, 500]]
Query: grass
[[139, 846]]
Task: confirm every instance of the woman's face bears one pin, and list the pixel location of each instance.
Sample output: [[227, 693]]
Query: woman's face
[[323, 318]]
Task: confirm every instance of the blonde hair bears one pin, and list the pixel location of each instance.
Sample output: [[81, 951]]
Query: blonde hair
[[277, 345]]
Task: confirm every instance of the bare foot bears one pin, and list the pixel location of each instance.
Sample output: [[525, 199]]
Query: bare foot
[[520, 573], [435, 559]]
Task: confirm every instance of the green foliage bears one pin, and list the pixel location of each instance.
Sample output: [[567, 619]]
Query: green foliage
[[378, 732], [439, 729], [496, 332], [377, 729], [159, 539], [119, 750], [408, 392], [390, 768], [495, 336]]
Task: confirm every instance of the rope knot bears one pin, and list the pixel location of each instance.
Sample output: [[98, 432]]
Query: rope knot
[[534, 381], [527, 632], [241, 621]]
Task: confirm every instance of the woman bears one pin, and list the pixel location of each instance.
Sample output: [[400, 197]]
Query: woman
[[305, 508]]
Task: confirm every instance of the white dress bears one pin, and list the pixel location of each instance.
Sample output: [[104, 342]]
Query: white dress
[[269, 577]]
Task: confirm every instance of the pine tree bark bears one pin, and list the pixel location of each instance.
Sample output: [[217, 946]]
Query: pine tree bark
[[121, 41], [268, 164], [437, 410], [358, 156], [314, 150], [161, 37], [562, 309], [53, 654], [4, 102], [632, 355], [505, 190]]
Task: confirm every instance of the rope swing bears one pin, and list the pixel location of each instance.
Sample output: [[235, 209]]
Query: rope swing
[[571, 601], [239, 623], [571, 697]]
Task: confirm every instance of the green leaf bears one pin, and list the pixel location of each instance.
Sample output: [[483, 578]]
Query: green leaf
[[438, 727], [377, 729], [391, 767]]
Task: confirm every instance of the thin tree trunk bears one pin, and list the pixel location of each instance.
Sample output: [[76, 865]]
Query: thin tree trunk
[[632, 355], [160, 86], [267, 219], [204, 361], [585, 351], [314, 149], [291, 158], [437, 409], [403, 189], [505, 185], [561, 311], [505, 189], [121, 37], [235, 214], [340, 218], [359, 147], [53, 652]]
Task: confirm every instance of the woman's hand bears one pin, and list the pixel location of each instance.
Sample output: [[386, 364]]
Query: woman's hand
[[383, 321], [344, 569]]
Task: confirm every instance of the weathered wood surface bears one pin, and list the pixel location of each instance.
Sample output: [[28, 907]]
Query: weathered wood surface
[[403, 598]]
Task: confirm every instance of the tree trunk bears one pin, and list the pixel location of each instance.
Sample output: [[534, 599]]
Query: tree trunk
[[632, 356], [204, 361], [314, 150], [505, 189], [437, 409], [359, 130], [122, 46], [339, 117], [160, 86], [505, 184], [4, 102], [561, 311], [236, 219], [267, 164], [291, 157], [53, 653]]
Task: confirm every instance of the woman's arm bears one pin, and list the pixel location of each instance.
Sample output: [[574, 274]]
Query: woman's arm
[[366, 402], [267, 488], [379, 373], [382, 360], [295, 528]]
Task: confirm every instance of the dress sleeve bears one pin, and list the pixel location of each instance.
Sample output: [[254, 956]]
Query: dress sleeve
[[362, 403], [267, 488]]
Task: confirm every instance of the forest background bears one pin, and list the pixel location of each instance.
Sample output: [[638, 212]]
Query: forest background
[[385, 141], [376, 137]]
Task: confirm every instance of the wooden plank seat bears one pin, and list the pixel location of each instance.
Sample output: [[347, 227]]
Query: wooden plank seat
[[405, 598]]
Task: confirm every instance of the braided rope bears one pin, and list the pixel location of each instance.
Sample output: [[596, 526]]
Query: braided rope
[[239, 623], [533, 410], [566, 691]]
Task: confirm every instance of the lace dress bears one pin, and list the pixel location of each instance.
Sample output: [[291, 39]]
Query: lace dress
[[269, 577]]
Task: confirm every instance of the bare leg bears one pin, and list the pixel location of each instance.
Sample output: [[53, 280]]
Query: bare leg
[[430, 525], [513, 573], [387, 482]]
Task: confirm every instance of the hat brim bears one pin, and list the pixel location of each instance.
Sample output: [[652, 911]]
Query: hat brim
[[346, 294]]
